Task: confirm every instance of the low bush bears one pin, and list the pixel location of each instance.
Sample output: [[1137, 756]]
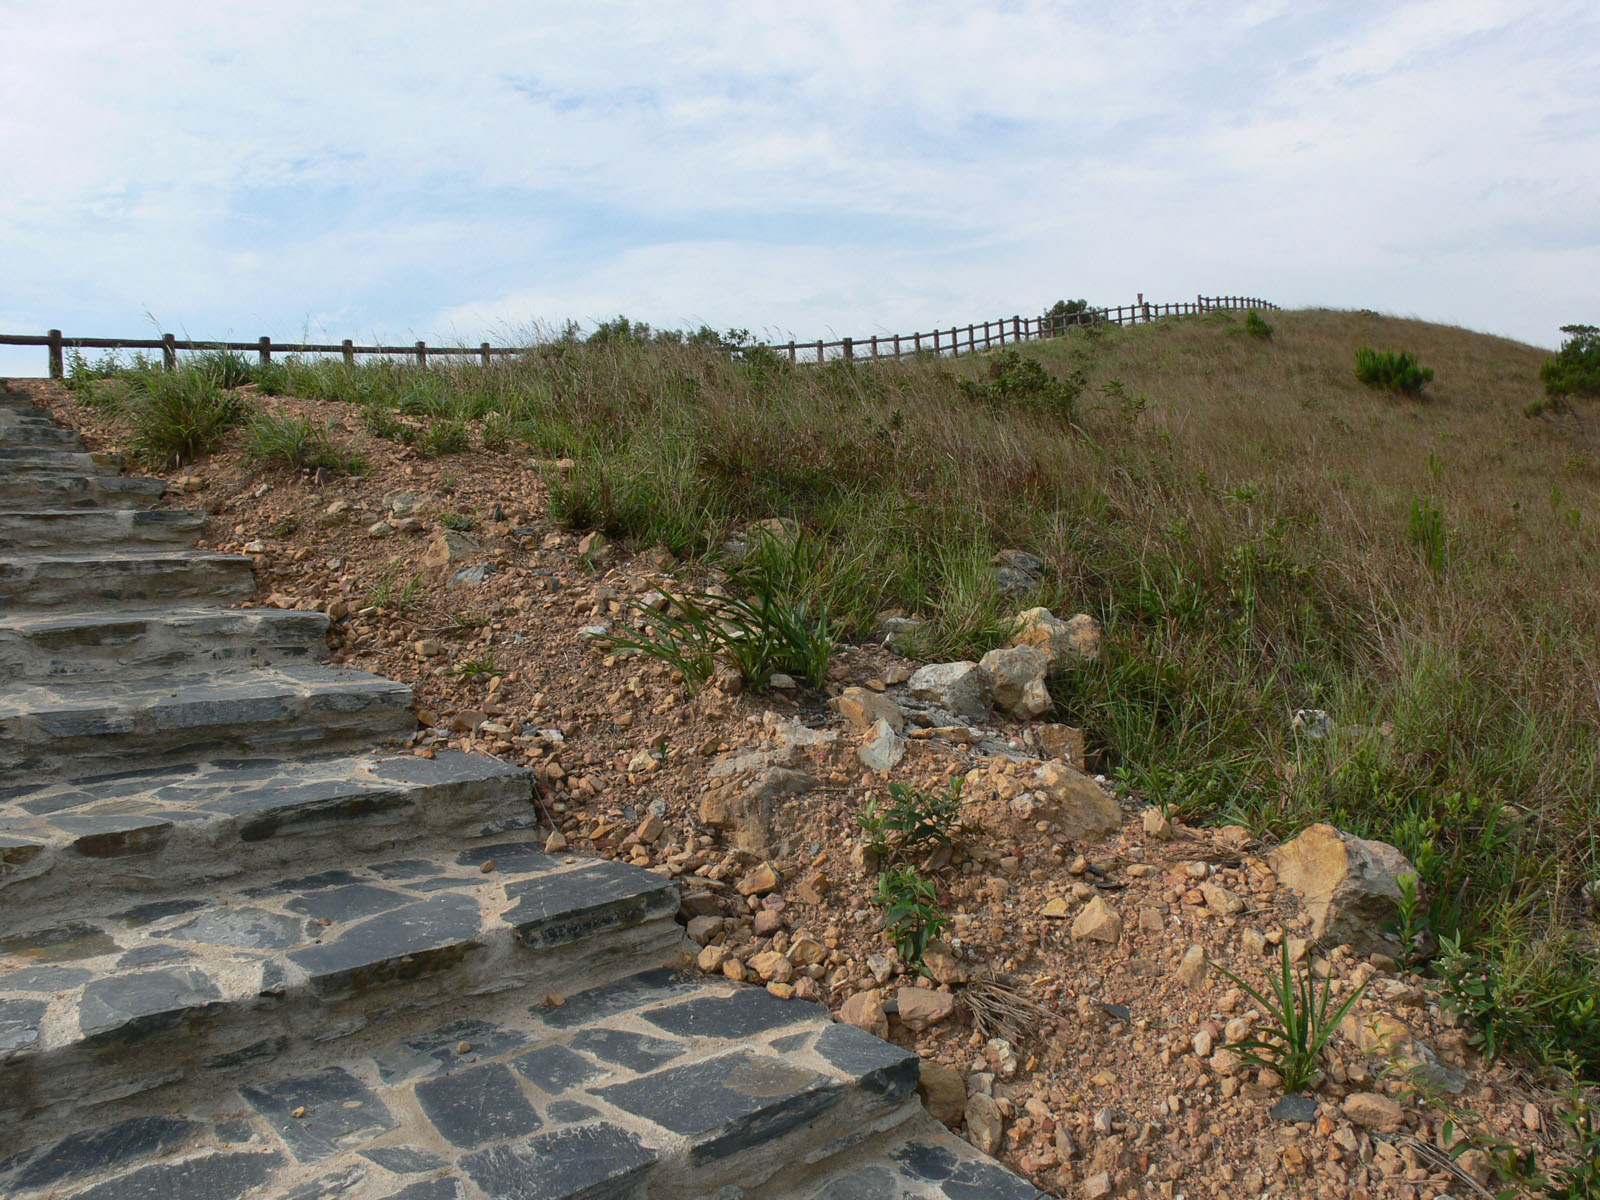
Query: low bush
[[298, 443], [1012, 380], [911, 913], [914, 819], [1395, 370], [1256, 325]]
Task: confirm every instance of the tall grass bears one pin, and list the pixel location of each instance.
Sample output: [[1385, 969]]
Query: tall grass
[[1257, 530]]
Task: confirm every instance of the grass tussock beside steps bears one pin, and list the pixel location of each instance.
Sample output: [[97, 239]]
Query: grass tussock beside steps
[[1259, 532]]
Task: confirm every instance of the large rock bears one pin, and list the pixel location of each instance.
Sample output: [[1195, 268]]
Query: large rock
[[1082, 809], [919, 1008], [882, 748], [944, 1091], [743, 806], [864, 708], [447, 551], [1350, 886], [962, 688], [1019, 679], [1098, 922], [1066, 642]]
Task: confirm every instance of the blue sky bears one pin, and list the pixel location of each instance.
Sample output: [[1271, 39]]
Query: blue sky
[[408, 171]]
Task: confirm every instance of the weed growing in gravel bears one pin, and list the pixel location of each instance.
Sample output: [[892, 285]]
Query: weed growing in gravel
[[1301, 1022], [443, 437], [298, 443], [461, 522], [914, 819], [389, 593], [911, 913], [473, 668]]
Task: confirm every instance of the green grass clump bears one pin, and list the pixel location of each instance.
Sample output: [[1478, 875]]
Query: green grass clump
[[228, 369], [176, 416], [1396, 370], [299, 443]]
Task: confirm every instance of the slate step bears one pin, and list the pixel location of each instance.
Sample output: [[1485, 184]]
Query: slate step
[[49, 458], [107, 579], [654, 1087], [919, 1160], [149, 833], [33, 427], [76, 529], [87, 725], [214, 991], [23, 490], [47, 647]]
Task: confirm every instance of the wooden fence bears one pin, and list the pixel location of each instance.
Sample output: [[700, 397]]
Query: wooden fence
[[954, 341]]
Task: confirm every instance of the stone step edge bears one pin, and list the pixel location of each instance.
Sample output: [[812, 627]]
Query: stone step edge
[[243, 830], [671, 1084], [229, 1007]]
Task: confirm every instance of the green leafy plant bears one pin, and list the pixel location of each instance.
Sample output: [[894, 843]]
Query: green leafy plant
[[178, 415], [1411, 929], [1012, 380], [1256, 325], [1425, 527], [228, 369], [761, 635], [1396, 370], [298, 443], [913, 819], [1301, 1020], [1538, 999], [1574, 370], [473, 668], [461, 522], [912, 917]]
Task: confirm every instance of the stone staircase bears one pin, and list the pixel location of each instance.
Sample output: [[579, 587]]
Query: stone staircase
[[245, 954]]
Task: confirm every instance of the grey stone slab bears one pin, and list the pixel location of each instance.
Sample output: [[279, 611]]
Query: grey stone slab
[[962, 1176], [865, 1183], [508, 856], [132, 1006], [879, 1068], [444, 1188], [45, 979], [221, 1176], [477, 1105], [19, 1025], [404, 1160], [242, 927], [585, 1162], [608, 1000], [743, 1014], [340, 1112], [631, 1051], [554, 909], [556, 1069], [62, 943], [157, 910], [414, 940], [727, 1104], [148, 956], [97, 1151], [440, 1050], [347, 903], [327, 1187]]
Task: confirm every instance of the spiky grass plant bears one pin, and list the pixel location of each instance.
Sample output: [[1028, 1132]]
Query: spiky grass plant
[[178, 415]]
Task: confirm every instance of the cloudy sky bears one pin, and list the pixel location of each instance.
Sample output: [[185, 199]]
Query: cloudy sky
[[464, 171]]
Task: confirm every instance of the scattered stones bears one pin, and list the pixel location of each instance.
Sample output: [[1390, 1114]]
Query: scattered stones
[[1349, 886], [864, 708]]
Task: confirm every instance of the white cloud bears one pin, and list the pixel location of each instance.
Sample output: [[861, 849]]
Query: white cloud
[[843, 167]]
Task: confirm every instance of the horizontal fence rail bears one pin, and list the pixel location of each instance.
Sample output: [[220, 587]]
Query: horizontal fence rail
[[953, 341]]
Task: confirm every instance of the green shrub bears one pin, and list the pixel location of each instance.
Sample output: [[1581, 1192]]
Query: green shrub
[[443, 437], [1574, 370], [912, 917], [298, 443], [913, 820], [1013, 381], [1395, 370], [178, 415], [1256, 325]]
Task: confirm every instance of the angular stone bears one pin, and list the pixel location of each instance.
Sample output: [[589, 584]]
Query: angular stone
[[743, 1014], [1192, 968], [1018, 674], [944, 1091], [745, 808], [19, 1025], [1371, 1110], [1066, 642], [879, 1068], [883, 748], [921, 1007], [632, 1051], [555, 1069], [962, 1176], [609, 1000], [962, 688], [864, 1010], [1081, 807], [409, 942], [556, 909], [864, 708], [1098, 922], [1350, 886], [985, 1125], [126, 1007]]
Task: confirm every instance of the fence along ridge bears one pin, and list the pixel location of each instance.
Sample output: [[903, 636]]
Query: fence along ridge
[[955, 340]]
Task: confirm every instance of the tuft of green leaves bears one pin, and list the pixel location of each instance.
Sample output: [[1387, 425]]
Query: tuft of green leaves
[[176, 416], [299, 443], [1301, 1020], [1256, 325], [1574, 370], [1396, 370], [912, 917], [1012, 380], [914, 818]]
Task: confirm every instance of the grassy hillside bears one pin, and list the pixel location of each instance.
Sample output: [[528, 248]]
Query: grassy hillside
[[1259, 532]]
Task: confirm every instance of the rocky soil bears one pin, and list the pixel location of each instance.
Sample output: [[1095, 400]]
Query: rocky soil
[[1098, 928]]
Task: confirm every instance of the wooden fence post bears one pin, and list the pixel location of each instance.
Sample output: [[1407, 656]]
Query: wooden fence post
[[483, 353], [348, 348], [422, 354], [916, 342], [58, 367], [1016, 327], [264, 350], [169, 352], [897, 347], [874, 345], [936, 347], [972, 339], [791, 350], [819, 350], [849, 350]]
